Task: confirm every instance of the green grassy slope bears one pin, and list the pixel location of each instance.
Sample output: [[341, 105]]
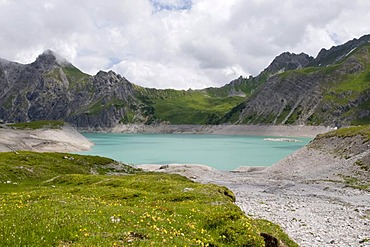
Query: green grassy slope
[[76, 76], [69, 200], [184, 107], [245, 86], [206, 106], [194, 107]]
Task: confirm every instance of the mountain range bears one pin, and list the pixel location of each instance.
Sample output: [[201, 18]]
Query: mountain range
[[332, 89]]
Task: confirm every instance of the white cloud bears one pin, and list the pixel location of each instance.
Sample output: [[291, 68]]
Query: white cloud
[[159, 75], [4, 2], [234, 71], [177, 43]]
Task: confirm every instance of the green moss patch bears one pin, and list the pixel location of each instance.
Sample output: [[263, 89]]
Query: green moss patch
[[49, 124]]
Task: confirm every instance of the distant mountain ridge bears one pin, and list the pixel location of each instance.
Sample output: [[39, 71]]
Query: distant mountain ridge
[[335, 93], [331, 89], [337, 53]]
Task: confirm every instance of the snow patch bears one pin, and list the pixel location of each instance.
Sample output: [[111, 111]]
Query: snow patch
[[350, 52]]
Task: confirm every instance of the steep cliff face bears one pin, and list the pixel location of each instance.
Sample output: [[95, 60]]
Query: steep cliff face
[[336, 95], [103, 102], [280, 98]]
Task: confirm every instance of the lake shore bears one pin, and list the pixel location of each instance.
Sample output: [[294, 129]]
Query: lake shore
[[251, 130], [312, 212], [66, 139]]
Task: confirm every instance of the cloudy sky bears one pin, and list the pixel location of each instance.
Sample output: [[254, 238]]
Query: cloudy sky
[[177, 43]]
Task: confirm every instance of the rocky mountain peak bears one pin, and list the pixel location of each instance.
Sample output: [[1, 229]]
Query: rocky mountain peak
[[49, 59], [288, 61]]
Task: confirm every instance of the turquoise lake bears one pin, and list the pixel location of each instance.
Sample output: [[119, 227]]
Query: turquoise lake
[[219, 151]]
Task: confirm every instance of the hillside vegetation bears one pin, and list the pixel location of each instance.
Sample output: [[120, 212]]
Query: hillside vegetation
[[191, 107], [54, 199]]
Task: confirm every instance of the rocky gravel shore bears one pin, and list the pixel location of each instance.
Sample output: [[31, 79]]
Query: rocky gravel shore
[[323, 214], [313, 213]]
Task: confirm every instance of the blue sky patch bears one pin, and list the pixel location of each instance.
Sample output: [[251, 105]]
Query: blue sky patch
[[174, 5]]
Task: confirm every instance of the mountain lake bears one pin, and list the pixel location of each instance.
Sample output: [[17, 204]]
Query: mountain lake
[[223, 152]]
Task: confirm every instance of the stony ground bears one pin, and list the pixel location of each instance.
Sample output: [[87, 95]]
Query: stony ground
[[323, 214], [312, 213]]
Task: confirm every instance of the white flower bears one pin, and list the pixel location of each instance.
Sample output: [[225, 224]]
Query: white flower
[[115, 219]]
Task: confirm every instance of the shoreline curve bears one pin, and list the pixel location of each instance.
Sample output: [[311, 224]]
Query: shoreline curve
[[248, 130]]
